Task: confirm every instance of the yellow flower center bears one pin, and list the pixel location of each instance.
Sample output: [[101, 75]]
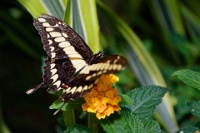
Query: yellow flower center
[[103, 99]]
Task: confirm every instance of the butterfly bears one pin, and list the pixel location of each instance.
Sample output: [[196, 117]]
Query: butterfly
[[71, 66]]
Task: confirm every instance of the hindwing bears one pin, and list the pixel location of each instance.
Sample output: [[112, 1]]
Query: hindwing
[[88, 77], [56, 73]]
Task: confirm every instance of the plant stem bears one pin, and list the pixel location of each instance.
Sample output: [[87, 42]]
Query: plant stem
[[92, 123], [69, 117]]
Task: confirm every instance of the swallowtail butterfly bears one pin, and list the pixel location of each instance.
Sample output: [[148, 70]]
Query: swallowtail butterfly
[[70, 66]]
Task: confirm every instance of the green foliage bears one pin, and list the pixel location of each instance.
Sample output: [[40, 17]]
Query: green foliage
[[188, 129], [145, 100], [136, 114], [189, 77], [172, 28], [129, 123], [69, 105], [77, 129], [195, 108], [136, 117], [126, 100]]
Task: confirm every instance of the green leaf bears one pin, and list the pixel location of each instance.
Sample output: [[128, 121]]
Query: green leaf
[[168, 18], [88, 15], [189, 129], [69, 105], [126, 100], [77, 129], [192, 22], [145, 100], [195, 108], [56, 104], [189, 77], [35, 7], [127, 122]]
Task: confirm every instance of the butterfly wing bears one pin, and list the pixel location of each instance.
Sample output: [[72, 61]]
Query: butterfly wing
[[67, 52], [59, 40], [70, 61], [56, 73], [87, 78]]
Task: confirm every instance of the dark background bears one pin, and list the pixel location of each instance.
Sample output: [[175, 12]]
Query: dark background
[[20, 70]]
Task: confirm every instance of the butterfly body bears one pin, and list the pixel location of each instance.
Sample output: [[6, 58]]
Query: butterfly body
[[71, 66]]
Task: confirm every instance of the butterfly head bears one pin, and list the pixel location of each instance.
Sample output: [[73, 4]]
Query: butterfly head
[[96, 57]]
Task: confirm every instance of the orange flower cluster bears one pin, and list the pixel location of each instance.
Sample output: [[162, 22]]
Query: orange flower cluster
[[103, 99]]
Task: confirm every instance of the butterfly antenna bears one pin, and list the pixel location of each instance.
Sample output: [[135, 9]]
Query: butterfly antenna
[[101, 46]]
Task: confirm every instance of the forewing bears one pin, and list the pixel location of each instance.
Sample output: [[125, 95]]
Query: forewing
[[59, 40]]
